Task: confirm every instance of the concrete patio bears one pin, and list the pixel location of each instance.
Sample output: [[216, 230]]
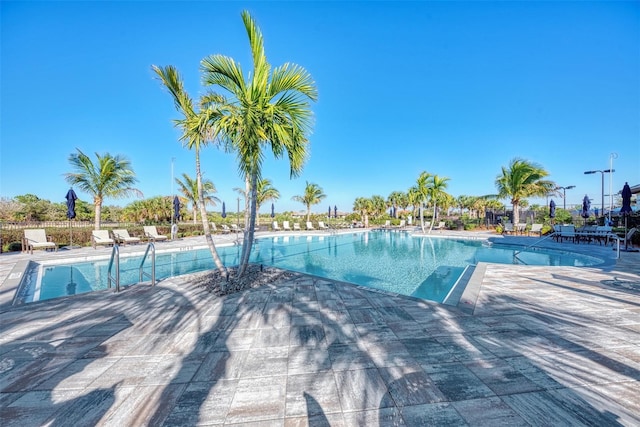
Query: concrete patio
[[526, 346]]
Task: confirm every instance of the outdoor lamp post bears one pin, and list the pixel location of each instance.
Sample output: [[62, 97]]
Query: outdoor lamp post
[[602, 188], [564, 195]]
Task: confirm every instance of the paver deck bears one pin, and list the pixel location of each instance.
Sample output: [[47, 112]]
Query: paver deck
[[538, 346]]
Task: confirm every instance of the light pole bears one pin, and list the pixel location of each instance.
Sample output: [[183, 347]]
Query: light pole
[[564, 194], [602, 188]]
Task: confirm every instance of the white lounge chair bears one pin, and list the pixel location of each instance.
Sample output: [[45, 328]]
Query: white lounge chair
[[101, 237], [387, 224], [275, 226], [225, 229], [285, 226], [296, 226], [37, 239], [122, 236], [440, 226], [235, 228], [321, 225], [536, 229], [627, 238], [310, 226], [151, 233], [402, 223], [508, 228]]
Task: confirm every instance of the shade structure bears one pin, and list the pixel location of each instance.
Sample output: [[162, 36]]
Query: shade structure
[[224, 211], [71, 203], [176, 208], [273, 212], [586, 205], [552, 209]]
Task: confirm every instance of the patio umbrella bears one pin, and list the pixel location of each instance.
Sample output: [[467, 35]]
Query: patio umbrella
[[552, 209], [335, 211], [329, 216], [71, 211], [224, 211], [626, 210], [586, 205], [272, 211], [176, 208]]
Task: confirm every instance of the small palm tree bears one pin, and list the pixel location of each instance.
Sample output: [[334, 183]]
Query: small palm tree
[[312, 196], [437, 194], [520, 180], [111, 176], [195, 134], [189, 189], [365, 207], [422, 186]]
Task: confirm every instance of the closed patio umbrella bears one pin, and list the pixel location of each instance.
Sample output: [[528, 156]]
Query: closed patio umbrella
[[335, 211], [552, 210], [71, 211], [329, 215], [626, 210], [586, 205], [224, 211], [273, 213], [176, 208]]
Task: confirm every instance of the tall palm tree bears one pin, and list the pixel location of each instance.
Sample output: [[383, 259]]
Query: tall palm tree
[[312, 196], [111, 176], [194, 136], [520, 180], [423, 183], [437, 194], [269, 109], [189, 189]]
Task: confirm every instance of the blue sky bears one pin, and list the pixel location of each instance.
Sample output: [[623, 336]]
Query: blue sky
[[457, 89]]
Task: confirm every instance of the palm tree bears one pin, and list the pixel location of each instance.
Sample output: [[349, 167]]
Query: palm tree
[[269, 109], [189, 189], [422, 193], [111, 176], [437, 194], [365, 207], [265, 191], [520, 180], [397, 199], [194, 135], [312, 196]]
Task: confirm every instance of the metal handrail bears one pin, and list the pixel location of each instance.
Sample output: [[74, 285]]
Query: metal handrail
[[115, 259], [151, 247], [535, 243]]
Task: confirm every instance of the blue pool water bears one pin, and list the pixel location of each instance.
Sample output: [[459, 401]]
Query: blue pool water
[[423, 267]]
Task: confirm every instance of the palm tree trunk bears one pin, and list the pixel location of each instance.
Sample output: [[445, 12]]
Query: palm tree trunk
[[205, 220], [249, 231], [434, 218], [98, 204], [421, 218], [195, 213]]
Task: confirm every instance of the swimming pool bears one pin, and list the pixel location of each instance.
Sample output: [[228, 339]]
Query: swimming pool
[[422, 267]]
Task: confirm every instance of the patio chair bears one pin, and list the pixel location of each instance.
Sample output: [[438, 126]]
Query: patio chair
[[151, 233], [536, 229], [508, 228], [627, 238], [225, 229], [321, 225], [296, 226], [285, 226], [440, 226], [235, 228], [122, 236], [402, 223], [520, 227], [101, 237], [275, 226], [37, 239], [310, 226], [387, 224]]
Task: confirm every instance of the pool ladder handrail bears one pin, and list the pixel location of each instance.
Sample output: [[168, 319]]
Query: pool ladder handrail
[[151, 247], [115, 259]]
